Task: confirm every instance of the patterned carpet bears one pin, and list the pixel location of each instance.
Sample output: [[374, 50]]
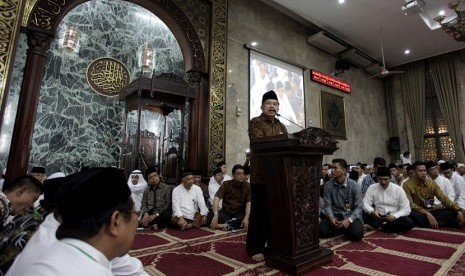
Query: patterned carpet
[[207, 252]]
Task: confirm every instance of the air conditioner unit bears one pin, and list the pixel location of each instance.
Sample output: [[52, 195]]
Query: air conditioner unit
[[413, 7], [356, 58], [325, 42]]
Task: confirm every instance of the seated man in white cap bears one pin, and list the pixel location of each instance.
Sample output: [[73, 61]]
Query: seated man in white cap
[[457, 182], [187, 202], [91, 233], [137, 185], [391, 206], [461, 170]]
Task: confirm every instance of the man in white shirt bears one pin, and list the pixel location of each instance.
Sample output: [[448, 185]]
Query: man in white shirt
[[458, 184], [213, 187], [391, 206], [187, 200], [461, 170], [137, 185], [93, 231], [443, 183], [361, 174], [221, 165]]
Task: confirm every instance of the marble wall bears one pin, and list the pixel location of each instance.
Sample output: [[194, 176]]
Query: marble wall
[[285, 38], [75, 126]]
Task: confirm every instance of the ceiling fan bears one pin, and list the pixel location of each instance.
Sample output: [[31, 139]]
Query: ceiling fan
[[384, 72]]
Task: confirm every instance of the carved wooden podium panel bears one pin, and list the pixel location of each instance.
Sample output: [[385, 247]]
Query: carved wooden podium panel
[[290, 166]]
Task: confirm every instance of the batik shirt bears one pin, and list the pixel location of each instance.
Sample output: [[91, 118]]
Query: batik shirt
[[4, 209], [259, 127], [421, 195], [14, 237], [156, 200], [235, 196]]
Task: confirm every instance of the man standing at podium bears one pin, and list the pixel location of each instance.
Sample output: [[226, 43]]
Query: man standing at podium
[[343, 205], [262, 126]]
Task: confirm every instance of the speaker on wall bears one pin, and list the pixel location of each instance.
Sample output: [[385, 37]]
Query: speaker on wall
[[394, 143], [342, 65]]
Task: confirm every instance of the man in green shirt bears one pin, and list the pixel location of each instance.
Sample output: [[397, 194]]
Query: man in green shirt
[[420, 192]]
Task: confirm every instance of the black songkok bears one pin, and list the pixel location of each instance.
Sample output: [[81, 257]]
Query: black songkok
[[88, 194], [217, 171], [383, 171], [196, 172], [51, 187], [270, 95], [186, 173], [445, 166], [38, 170], [429, 165], [149, 171]]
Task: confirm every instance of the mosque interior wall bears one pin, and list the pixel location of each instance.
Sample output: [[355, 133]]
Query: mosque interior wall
[[284, 38]]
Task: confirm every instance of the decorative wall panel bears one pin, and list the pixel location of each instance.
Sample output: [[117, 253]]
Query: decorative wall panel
[[199, 13], [218, 82], [333, 117], [12, 99], [10, 12]]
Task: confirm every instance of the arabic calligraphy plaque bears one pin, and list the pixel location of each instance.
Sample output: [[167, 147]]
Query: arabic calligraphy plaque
[[107, 76]]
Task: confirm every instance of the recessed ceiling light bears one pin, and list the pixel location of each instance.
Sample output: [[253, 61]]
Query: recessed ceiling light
[[254, 43], [442, 12], [341, 1], [407, 51]]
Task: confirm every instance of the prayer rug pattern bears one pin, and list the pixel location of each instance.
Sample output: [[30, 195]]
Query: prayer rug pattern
[[207, 252]]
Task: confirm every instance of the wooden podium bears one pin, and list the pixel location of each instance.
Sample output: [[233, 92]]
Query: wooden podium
[[290, 167]]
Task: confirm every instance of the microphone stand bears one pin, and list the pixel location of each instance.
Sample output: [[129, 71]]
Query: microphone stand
[[289, 121]]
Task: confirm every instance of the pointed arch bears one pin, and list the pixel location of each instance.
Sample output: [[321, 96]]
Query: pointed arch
[[46, 15]]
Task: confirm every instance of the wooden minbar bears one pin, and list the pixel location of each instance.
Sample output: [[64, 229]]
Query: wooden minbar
[[290, 165]]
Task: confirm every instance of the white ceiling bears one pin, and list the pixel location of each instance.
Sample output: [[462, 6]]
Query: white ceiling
[[362, 23]]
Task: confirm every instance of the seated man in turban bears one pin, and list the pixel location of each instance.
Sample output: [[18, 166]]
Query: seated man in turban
[[137, 185]]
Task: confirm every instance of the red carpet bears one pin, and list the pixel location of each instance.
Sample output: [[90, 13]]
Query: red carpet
[[207, 252]]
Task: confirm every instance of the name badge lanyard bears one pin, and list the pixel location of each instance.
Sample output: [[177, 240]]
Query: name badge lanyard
[[346, 200]]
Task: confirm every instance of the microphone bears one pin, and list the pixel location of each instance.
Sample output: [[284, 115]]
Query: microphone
[[279, 115]]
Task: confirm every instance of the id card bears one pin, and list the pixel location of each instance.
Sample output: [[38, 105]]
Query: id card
[[347, 206], [428, 203]]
